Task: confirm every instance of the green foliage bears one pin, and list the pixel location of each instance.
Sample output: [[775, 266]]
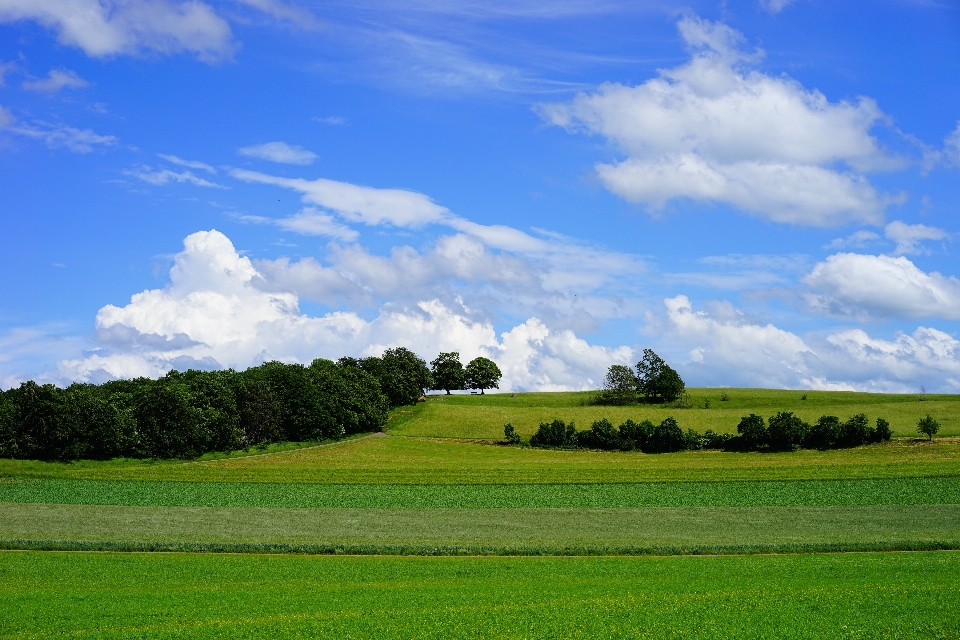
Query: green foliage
[[483, 373], [882, 433], [634, 435], [753, 432], [510, 435], [825, 433], [928, 426], [657, 381], [555, 434], [448, 373], [619, 387], [402, 374], [786, 431], [666, 438]]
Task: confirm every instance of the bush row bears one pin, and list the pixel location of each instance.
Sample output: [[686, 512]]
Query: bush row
[[187, 414], [785, 432]]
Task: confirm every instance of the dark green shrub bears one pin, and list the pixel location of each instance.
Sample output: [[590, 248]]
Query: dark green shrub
[[713, 440], [657, 381], [602, 435], [855, 431], [619, 387], [753, 432], [510, 434], [635, 435], [693, 440], [882, 433], [555, 434], [786, 431], [824, 434], [666, 438]]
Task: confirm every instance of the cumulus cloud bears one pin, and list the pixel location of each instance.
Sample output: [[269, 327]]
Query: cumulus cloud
[[191, 164], [56, 80], [733, 351], [714, 130], [865, 286], [857, 239], [217, 311], [356, 203], [162, 177], [909, 236], [279, 152], [104, 28]]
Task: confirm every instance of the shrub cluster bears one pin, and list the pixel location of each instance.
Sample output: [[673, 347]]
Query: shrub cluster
[[187, 414], [785, 432], [629, 436]]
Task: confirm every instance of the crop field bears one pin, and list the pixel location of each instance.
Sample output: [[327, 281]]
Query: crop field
[[436, 530], [896, 595]]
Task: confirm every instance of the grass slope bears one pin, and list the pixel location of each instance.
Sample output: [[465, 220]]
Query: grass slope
[[902, 595], [401, 460], [483, 417]]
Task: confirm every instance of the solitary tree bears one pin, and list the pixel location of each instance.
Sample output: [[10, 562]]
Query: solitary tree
[[483, 373], [656, 380], [619, 386], [928, 426], [447, 372]]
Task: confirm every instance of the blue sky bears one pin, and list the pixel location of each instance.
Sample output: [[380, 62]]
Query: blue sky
[[764, 192]]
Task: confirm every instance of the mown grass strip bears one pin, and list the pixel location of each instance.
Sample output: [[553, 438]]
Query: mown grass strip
[[473, 550], [500, 528], [887, 491]]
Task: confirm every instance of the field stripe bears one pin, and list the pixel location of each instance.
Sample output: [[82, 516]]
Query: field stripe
[[893, 491], [488, 528]]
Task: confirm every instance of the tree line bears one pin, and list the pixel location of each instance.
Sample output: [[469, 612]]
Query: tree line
[[784, 432], [187, 414]]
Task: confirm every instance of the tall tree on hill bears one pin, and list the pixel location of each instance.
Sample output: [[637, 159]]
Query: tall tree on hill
[[448, 373], [483, 373], [656, 380]]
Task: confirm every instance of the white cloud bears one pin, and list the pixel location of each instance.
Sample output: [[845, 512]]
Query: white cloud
[[309, 222], [712, 130], [735, 352], [56, 80], [357, 203], [279, 152], [291, 13], [216, 312], [191, 164], [6, 118], [59, 135], [909, 236], [331, 120], [775, 6], [951, 147], [850, 284], [162, 177], [858, 239], [104, 28]]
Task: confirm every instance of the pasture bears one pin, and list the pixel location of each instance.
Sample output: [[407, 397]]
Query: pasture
[[705, 543]]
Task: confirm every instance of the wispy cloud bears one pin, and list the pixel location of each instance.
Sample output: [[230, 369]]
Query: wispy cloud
[[279, 152], [57, 135], [166, 176], [56, 80], [190, 164]]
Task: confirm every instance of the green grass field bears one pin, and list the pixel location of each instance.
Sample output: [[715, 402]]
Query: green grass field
[[439, 485], [877, 595], [483, 417]]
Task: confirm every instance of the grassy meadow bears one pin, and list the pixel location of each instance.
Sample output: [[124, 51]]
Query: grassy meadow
[[853, 595], [704, 543], [483, 417]]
